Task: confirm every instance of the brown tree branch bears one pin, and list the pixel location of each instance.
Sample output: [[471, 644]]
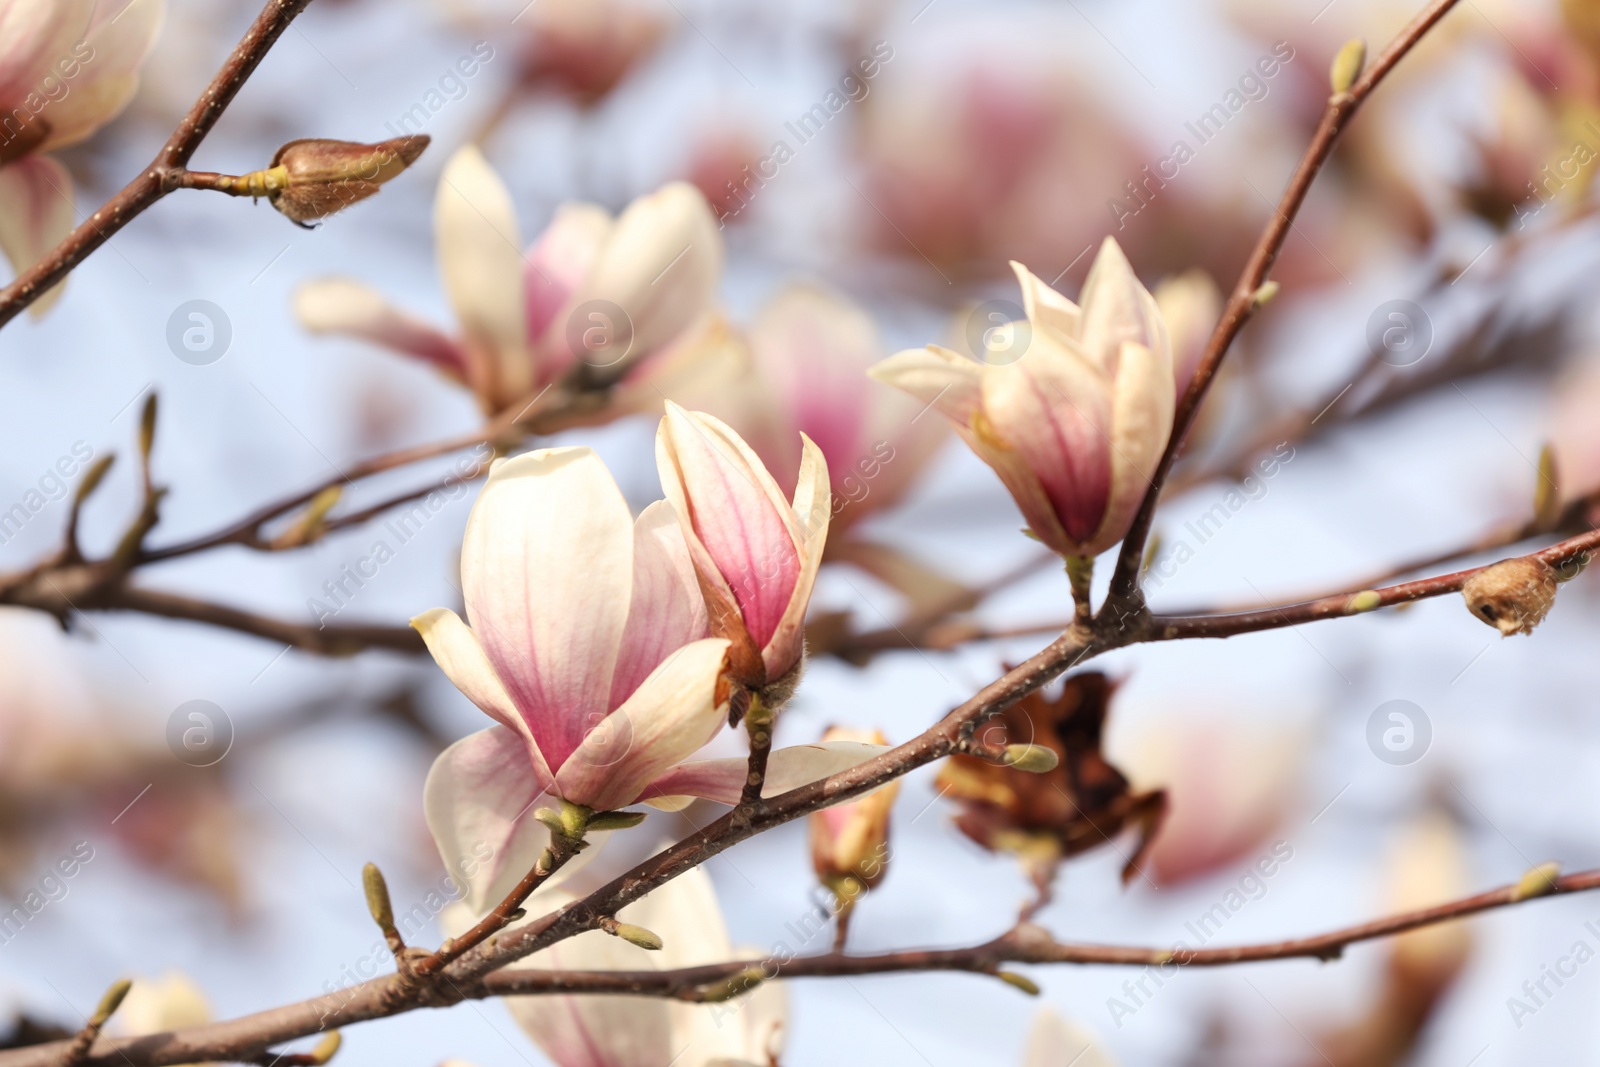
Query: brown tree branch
[[165, 172], [241, 1038], [1242, 303]]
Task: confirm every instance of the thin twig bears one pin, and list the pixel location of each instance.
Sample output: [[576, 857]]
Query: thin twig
[[165, 172], [1242, 302]]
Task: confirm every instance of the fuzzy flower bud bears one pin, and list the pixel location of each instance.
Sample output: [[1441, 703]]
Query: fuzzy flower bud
[[850, 841], [1514, 595], [311, 179]]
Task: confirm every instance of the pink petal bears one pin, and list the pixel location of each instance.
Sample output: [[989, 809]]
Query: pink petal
[[1055, 410], [667, 610], [813, 507], [722, 780], [555, 265], [341, 306], [670, 717], [813, 349], [742, 527], [546, 570]]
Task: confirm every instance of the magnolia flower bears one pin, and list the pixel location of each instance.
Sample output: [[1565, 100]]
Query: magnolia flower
[[591, 288], [850, 841], [617, 1031], [1055, 1041], [587, 47], [1229, 785], [67, 67], [587, 644], [1077, 422], [756, 555]]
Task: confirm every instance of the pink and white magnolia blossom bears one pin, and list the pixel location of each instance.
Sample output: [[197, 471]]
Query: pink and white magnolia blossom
[[67, 67], [591, 287], [755, 554], [587, 644], [614, 1031], [1076, 423]]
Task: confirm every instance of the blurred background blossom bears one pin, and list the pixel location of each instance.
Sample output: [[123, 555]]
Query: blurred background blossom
[[870, 167]]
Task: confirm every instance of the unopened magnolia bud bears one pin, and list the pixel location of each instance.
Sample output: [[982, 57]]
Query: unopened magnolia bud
[[1514, 595], [311, 179], [1364, 601], [326, 1048], [377, 897], [147, 426], [1022, 982], [850, 841], [1263, 296], [615, 820], [111, 1001], [1546, 492], [637, 935], [1537, 882], [1035, 759], [574, 818], [1347, 65], [738, 985]]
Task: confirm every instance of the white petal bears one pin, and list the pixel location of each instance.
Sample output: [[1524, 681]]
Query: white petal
[[480, 259], [938, 377], [1047, 310], [620, 1031], [1141, 424], [546, 570], [1117, 308], [36, 214], [1054, 1041], [479, 799], [660, 264]]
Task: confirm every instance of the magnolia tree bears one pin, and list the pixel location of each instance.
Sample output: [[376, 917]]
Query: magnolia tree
[[620, 657]]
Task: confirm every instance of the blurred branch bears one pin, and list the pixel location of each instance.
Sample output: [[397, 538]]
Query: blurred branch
[[165, 173], [66, 582], [1250, 289]]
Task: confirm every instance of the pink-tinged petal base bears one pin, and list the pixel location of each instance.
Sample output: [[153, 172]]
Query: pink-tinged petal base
[[1053, 408], [341, 306], [672, 715], [667, 610]]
